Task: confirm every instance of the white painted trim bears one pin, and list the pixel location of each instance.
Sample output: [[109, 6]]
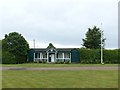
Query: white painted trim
[[52, 57], [34, 57], [70, 57], [40, 55], [37, 55], [51, 49], [62, 58], [63, 55], [47, 56], [55, 57]]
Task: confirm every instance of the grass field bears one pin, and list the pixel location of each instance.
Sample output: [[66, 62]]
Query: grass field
[[0, 79], [54, 65], [60, 79]]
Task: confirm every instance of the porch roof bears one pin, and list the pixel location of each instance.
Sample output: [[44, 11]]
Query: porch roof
[[58, 49]]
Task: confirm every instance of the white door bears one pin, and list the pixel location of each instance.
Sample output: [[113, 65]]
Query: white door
[[52, 57]]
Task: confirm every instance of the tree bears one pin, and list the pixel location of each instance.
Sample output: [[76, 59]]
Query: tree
[[50, 45], [14, 48], [93, 38], [0, 51], [0, 45]]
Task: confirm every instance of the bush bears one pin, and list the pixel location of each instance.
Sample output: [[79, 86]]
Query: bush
[[44, 61], [67, 61], [93, 56], [110, 56], [40, 61], [59, 61], [89, 56]]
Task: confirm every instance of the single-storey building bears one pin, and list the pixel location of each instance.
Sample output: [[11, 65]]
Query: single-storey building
[[52, 55]]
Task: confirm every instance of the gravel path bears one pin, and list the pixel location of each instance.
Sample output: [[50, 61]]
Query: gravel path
[[63, 68]]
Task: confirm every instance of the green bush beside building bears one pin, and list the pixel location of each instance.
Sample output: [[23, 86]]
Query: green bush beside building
[[93, 56]]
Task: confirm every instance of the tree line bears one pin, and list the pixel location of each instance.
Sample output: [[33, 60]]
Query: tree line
[[15, 48]]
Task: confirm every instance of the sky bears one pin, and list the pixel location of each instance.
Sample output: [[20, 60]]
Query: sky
[[61, 22]]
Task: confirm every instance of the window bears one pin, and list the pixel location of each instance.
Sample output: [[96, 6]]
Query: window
[[37, 55], [44, 55], [60, 55], [67, 55]]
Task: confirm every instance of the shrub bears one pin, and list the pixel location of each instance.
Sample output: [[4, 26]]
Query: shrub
[[44, 61], [110, 56], [67, 61], [59, 61], [93, 56]]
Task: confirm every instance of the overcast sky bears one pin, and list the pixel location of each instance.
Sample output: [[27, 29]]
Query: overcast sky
[[61, 22]]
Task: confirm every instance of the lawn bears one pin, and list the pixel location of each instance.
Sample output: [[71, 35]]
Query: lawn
[[60, 79], [54, 65], [0, 79]]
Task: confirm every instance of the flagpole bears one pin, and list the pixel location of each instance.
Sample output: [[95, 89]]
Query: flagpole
[[34, 48], [101, 46], [34, 43]]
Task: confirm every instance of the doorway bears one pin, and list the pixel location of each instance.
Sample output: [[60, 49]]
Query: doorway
[[51, 57]]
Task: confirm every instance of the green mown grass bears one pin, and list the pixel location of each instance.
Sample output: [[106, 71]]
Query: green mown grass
[[54, 65], [0, 79], [60, 79]]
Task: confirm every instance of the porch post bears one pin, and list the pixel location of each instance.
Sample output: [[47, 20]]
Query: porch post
[[40, 55], [63, 56], [70, 57], [47, 56], [37, 56], [34, 57], [55, 57]]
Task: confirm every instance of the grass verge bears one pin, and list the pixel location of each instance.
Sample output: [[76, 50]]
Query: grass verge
[[60, 79], [54, 65]]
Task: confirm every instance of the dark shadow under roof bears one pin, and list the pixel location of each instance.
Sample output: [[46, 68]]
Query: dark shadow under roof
[[58, 49]]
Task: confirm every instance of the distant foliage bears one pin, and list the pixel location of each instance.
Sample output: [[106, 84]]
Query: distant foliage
[[93, 56]]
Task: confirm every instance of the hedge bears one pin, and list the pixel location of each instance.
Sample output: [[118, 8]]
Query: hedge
[[110, 56], [93, 56]]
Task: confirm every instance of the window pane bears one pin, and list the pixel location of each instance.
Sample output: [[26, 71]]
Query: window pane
[[60, 55], [44, 55], [35, 55], [67, 55]]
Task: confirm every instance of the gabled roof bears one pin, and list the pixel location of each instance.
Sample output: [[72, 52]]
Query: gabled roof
[[58, 49]]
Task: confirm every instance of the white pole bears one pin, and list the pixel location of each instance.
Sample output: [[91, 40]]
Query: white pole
[[101, 46], [34, 43], [34, 48]]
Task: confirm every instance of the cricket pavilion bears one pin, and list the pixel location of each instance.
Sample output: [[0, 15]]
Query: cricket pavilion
[[53, 55]]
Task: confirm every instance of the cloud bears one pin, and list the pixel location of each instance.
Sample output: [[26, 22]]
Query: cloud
[[63, 22]]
